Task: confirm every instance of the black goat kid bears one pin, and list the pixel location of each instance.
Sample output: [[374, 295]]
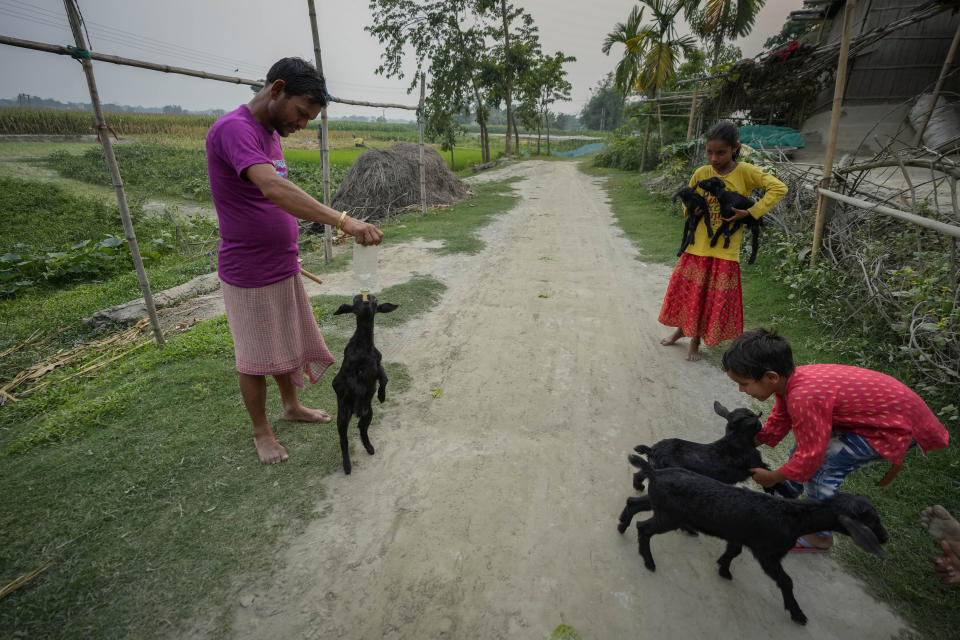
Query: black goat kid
[[692, 202], [728, 459], [732, 200], [767, 525], [361, 369]]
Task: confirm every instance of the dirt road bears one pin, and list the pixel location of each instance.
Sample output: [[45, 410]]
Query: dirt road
[[490, 512]]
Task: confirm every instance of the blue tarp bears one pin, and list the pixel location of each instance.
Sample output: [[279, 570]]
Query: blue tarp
[[768, 135], [580, 151]]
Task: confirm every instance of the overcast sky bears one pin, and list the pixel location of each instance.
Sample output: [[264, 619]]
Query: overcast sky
[[244, 37]]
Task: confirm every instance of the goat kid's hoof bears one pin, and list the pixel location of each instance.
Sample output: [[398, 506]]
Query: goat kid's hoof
[[798, 617], [346, 469], [369, 449], [621, 527], [651, 566]]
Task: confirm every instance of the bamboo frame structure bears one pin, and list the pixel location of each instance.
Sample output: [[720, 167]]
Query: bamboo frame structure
[[939, 86], [128, 231], [838, 91], [323, 139], [936, 225], [323, 134]]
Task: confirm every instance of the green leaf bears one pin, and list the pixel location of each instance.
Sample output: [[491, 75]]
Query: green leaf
[[112, 241], [565, 632], [436, 392]]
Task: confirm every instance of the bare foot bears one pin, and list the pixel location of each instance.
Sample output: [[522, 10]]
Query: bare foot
[[942, 526], [693, 351], [269, 450], [947, 566], [303, 414], [672, 338]]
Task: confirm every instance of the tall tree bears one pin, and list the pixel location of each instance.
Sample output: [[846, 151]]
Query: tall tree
[[717, 21], [602, 110], [441, 41], [662, 49], [628, 68], [541, 84]]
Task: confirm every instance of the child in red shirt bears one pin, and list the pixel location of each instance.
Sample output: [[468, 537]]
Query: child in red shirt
[[843, 418]]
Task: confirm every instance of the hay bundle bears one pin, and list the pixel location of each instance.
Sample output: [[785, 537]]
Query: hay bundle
[[382, 182]]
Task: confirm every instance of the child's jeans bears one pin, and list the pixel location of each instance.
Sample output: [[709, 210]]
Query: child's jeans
[[846, 452]]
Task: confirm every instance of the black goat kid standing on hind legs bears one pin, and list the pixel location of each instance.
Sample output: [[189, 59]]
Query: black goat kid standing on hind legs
[[732, 200], [696, 208], [361, 370]]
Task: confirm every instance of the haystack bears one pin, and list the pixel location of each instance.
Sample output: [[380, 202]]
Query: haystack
[[382, 182]]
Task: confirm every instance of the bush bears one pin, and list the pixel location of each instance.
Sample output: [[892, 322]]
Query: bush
[[626, 152]]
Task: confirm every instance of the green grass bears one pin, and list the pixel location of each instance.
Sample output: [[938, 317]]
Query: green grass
[[457, 226], [141, 485], [905, 579]]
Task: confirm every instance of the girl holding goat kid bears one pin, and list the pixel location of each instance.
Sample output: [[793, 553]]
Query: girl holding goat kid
[[704, 299]]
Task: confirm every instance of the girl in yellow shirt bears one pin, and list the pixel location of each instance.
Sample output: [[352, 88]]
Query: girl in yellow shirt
[[704, 299]]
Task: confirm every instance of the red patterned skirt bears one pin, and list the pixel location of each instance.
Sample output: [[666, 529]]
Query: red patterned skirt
[[704, 299], [274, 330]]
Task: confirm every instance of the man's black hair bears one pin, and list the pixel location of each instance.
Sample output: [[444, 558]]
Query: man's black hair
[[300, 78], [728, 132], [757, 351]]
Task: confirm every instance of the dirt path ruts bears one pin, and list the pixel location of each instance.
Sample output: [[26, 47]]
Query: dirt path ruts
[[490, 512]]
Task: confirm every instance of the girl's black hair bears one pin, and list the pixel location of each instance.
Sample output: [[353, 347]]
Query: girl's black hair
[[757, 351], [728, 132]]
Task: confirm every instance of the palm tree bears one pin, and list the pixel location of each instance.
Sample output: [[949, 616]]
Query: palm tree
[[720, 20], [625, 76], [661, 49]]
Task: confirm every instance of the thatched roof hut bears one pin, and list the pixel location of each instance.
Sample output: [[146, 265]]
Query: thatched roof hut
[[382, 182]]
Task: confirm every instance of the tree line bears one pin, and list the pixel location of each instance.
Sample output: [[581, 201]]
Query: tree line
[[477, 56]]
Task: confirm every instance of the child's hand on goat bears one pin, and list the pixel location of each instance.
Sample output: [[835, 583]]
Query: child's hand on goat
[[766, 477], [739, 214]]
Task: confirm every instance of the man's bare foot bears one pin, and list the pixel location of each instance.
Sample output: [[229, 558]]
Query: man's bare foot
[[947, 566], [672, 338], [942, 526], [269, 450], [303, 414], [693, 351]]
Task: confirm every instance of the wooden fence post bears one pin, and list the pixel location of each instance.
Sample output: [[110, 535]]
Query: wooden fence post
[[104, 134], [323, 139], [420, 120], [838, 90], [693, 110]]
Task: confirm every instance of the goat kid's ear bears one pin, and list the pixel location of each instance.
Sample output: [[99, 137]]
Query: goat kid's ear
[[386, 307], [721, 410], [863, 536], [344, 308]]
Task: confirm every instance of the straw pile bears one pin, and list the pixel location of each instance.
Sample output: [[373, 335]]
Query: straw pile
[[383, 182]]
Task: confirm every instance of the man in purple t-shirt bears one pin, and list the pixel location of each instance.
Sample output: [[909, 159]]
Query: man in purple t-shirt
[[271, 320]]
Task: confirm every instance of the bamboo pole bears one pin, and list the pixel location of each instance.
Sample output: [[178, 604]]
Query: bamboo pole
[[104, 133], [420, 118], [129, 62], [323, 139], [942, 227], [165, 68], [838, 91], [693, 110], [937, 88]]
